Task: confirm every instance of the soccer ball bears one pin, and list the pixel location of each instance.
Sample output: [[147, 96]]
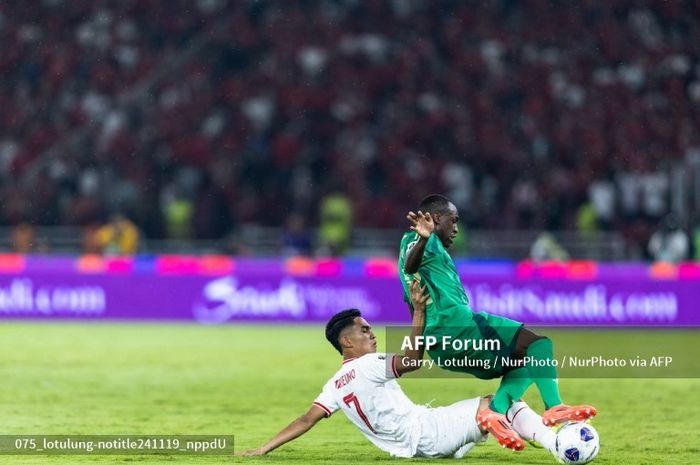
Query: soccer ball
[[577, 442]]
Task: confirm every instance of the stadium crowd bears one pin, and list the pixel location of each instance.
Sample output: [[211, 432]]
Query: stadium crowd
[[192, 117]]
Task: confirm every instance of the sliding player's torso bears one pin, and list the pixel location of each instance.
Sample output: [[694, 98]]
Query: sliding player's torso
[[365, 389]]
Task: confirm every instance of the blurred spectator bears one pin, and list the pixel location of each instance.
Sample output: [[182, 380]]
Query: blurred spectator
[[602, 197], [587, 220], [655, 186], [118, 237], [23, 237], [296, 237], [211, 218], [89, 242], [547, 248], [669, 243], [178, 214], [336, 225]]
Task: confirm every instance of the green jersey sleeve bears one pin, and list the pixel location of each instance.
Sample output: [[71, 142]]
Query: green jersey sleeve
[[448, 303]]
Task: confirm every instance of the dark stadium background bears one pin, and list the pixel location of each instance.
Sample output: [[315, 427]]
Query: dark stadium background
[[208, 120]]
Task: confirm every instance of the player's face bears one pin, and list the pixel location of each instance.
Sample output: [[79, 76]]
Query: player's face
[[362, 338], [446, 226]]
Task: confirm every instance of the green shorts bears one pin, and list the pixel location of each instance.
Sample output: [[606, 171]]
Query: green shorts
[[490, 337]]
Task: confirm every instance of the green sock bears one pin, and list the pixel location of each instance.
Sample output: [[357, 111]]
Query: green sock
[[513, 386], [545, 376]]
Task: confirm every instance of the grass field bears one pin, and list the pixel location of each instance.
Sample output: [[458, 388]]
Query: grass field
[[251, 381]]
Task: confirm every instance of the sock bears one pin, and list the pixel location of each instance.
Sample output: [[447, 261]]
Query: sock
[[513, 386], [544, 376], [529, 426]]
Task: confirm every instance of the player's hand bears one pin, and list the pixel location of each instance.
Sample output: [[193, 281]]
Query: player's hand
[[419, 296], [422, 223], [250, 452]]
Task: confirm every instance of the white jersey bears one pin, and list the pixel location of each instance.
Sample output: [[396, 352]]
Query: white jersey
[[365, 388]]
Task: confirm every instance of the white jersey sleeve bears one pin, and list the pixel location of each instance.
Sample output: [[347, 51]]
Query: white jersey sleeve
[[379, 367], [326, 400]]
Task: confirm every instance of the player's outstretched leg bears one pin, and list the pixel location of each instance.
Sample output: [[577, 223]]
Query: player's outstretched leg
[[513, 385], [528, 425], [544, 374], [497, 424], [543, 371]]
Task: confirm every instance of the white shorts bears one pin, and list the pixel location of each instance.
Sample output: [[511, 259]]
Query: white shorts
[[444, 430]]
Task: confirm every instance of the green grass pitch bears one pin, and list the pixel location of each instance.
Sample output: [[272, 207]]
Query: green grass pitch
[[251, 381]]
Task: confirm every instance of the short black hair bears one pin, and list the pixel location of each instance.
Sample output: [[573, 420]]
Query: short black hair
[[339, 322], [434, 203]]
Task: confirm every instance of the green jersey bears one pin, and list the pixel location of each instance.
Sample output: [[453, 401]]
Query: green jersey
[[448, 304], [448, 312]]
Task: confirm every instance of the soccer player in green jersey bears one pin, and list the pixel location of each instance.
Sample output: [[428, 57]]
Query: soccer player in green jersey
[[424, 256]]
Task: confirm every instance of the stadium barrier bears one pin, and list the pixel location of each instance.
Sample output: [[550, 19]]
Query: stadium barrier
[[221, 289]]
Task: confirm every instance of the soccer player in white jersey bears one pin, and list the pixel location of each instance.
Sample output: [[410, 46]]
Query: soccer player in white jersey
[[365, 389]]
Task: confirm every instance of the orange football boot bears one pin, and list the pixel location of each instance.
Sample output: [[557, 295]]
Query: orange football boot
[[563, 413], [500, 428]]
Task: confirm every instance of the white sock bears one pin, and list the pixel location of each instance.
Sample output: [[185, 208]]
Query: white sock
[[529, 426]]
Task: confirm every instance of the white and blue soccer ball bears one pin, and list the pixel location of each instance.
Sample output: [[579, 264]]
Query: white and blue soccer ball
[[577, 442]]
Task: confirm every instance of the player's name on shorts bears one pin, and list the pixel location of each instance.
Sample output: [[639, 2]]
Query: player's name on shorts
[[450, 343]]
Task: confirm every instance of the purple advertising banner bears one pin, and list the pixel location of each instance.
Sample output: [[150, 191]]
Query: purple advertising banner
[[283, 296]]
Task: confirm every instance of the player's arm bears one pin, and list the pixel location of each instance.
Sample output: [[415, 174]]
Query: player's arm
[[421, 223], [406, 362], [295, 429]]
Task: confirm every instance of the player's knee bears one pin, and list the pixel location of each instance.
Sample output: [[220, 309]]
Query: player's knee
[[525, 339]]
